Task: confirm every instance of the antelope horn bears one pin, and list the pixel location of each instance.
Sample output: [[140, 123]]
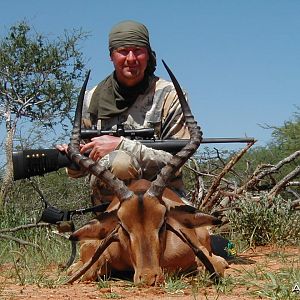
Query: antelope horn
[[116, 185], [159, 184]]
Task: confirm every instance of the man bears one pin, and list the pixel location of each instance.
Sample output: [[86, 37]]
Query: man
[[132, 96]]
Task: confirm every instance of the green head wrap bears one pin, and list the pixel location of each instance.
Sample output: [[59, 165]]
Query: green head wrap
[[131, 33]]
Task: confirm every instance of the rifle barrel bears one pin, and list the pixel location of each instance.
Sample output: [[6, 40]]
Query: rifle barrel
[[227, 140], [173, 145]]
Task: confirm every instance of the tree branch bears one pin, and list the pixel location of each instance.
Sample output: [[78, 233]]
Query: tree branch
[[257, 176], [209, 201], [283, 182], [26, 226], [20, 241]]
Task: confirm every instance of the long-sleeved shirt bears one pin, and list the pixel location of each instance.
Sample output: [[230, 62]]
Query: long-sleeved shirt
[[157, 108]]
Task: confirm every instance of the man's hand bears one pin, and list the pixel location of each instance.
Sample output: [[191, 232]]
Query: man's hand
[[62, 148], [101, 146]]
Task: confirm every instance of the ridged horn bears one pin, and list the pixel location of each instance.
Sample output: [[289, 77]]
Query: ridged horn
[[159, 184], [116, 185]]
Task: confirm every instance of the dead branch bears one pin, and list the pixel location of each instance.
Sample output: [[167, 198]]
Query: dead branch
[[219, 157], [26, 226], [224, 163], [257, 176], [20, 241], [205, 174], [209, 199], [282, 183], [21, 227], [198, 191], [293, 183], [296, 204], [293, 192]]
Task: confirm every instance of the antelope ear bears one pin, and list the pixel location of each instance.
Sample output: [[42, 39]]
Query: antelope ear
[[190, 217], [98, 228]]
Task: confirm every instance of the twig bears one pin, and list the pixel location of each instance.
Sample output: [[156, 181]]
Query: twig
[[198, 191], [283, 182], [206, 174], [296, 204], [257, 176], [209, 201], [293, 183], [27, 226], [22, 242]]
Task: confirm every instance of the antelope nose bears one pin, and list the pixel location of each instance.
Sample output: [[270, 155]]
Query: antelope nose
[[149, 278]]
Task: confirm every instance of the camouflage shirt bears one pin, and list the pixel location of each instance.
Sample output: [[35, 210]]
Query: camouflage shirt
[[157, 108]]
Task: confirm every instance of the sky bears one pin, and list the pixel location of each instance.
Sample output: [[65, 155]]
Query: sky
[[239, 60]]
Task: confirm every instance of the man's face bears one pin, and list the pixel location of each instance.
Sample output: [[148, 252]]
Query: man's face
[[130, 64]]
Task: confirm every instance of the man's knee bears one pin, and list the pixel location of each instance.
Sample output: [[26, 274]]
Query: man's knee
[[124, 165]]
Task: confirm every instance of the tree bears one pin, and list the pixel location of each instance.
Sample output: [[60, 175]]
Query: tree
[[287, 137], [38, 78]]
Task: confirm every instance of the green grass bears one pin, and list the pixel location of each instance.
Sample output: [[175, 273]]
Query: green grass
[[258, 281], [38, 262], [33, 252], [269, 284], [112, 295], [103, 283], [257, 223], [175, 284]]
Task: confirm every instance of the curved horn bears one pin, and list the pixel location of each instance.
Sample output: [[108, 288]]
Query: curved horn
[[157, 187], [118, 186]]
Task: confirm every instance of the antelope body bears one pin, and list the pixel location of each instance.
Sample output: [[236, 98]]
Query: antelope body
[[146, 228], [144, 245]]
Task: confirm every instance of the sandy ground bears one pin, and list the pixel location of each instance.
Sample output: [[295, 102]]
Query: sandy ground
[[124, 290]]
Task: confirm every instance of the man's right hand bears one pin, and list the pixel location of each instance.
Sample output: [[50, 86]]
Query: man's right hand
[[100, 146], [62, 148]]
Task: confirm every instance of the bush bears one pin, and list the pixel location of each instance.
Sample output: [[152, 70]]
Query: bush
[[28, 254], [260, 224], [56, 188], [39, 246]]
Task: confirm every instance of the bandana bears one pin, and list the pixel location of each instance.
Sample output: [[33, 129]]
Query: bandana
[[110, 98], [131, 33], [128, 33]]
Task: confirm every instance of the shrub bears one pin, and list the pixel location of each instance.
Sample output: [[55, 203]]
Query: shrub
[[259, 223]]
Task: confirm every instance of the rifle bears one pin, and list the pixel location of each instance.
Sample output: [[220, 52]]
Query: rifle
[[28, 163]]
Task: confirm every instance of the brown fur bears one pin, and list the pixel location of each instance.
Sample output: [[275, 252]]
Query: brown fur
[[150, 249]]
